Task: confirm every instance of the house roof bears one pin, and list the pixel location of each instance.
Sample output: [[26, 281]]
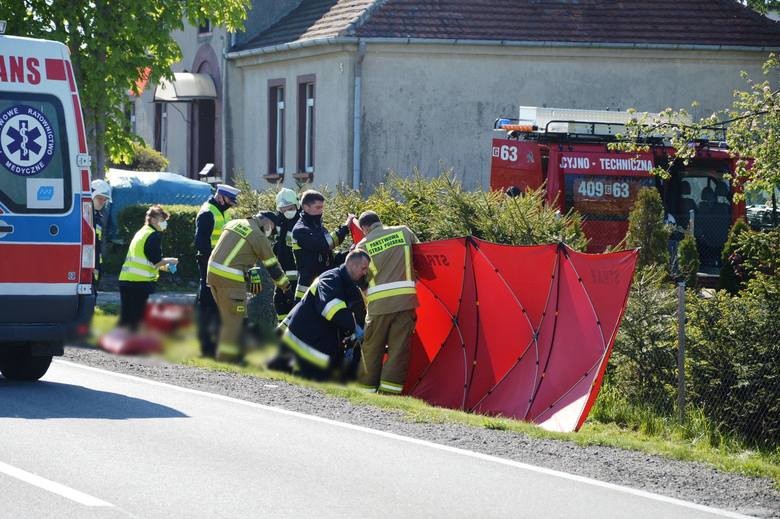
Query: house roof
[[675, 22]]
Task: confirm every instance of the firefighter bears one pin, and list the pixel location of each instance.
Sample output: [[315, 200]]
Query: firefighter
[[140, 271], [285, 219], [101, 195], [312, 244], [209, 223], [231, 271], [323, 316], [392, 299]]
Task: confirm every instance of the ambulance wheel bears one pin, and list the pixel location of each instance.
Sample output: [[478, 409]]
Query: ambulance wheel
[[24, 367]]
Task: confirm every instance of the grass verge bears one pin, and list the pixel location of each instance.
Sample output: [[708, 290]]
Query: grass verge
[[611, 423]]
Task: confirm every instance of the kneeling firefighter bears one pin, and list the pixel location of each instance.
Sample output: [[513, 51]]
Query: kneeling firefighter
[[324, 316], [231, 271]]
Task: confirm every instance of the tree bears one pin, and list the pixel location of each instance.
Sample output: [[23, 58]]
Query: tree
[[646, 229], [763, 6], [113, 43]]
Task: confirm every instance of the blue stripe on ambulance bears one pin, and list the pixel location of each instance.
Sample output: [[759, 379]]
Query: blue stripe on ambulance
[[37, 228]]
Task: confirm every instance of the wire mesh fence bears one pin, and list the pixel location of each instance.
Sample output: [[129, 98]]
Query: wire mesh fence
[[716, 371]]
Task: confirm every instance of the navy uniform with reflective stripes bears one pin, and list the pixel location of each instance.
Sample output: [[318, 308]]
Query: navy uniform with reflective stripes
[[313, 247], [97, 219], [314, 324]]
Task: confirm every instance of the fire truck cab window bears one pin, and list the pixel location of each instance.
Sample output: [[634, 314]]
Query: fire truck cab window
[[704, 191]]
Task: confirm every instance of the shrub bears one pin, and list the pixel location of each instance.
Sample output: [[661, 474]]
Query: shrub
[[177, 241], [644, 359], [144, 158], [732, 359], [756, 252], [646, 229], [688, 259], [728, 278]]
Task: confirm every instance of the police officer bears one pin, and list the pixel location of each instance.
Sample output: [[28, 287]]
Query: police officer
[[315, 324], [231, 271], [140, 271], [392, 299], [101, 195], [312, 244], [209, 223], [285, 219]]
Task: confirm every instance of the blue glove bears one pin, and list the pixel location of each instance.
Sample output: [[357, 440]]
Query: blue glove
[[172, 268], [358, 335]]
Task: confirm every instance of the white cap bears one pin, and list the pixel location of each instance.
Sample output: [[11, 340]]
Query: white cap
[[101, 187], [286, 197], [229, 192]]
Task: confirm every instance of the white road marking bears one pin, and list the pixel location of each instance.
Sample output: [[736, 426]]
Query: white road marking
[[416, 441], [52, 486]]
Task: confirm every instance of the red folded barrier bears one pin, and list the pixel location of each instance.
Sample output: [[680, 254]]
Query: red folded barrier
[[522, 332], [122, 342]]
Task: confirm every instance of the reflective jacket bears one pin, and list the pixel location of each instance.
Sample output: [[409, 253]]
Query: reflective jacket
[[137, 266], [391, 279], [209, 223], [315, 322], [240, 246], [313, 248]]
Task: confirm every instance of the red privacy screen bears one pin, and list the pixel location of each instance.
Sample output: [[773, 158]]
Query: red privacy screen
[[523, 332]]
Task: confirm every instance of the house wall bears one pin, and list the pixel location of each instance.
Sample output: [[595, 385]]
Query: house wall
[[248, 90], [432, 106]]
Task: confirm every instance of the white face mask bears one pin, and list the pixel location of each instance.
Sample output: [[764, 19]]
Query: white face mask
[[290, 214], [162, 225]]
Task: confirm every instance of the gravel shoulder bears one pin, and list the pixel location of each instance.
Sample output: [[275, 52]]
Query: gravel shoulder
[[690, 481]]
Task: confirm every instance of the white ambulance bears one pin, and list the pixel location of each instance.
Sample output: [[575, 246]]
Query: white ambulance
[[47, 240]]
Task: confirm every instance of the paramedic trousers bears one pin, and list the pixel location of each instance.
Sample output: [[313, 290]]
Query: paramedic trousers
[[231, 302], [208, 314], [133, 296], [392, 331]]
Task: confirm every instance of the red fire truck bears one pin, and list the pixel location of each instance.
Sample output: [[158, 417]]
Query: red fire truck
[[567, 151]]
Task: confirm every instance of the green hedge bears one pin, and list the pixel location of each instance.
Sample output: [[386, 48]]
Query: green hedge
[[178, 240]]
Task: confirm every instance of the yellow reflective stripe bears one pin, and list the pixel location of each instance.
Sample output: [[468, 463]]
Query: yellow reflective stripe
[[270, 262], [390, 293], [281, 281], [137, 272], [374, 272], [390, 387], [408, 260], [291, 273], [306, 351], [235, 250], [332, 307], [390, 286], [226, 272], [231, 350], [367, 389]]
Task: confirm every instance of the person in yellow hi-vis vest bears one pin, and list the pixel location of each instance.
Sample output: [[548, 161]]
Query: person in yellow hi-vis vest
[[392, 300], [140, 271], [231, 272], [209, 223]]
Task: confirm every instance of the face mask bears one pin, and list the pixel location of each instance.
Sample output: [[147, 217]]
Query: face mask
[[163, 225], [290, 214]]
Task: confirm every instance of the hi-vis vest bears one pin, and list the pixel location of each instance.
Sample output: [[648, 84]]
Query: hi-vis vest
[[391, 280], [219, 221], [136, 267]]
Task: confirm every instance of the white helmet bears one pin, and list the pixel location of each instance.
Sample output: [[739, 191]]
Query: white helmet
[[286, 197], [101, 187]]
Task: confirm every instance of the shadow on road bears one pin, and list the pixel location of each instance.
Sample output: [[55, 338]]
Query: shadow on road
[[44, 400]]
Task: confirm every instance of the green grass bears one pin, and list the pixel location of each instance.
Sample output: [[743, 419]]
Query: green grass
[[612, 421]]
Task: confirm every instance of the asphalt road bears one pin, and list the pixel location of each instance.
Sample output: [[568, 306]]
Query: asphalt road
[[90, 443]]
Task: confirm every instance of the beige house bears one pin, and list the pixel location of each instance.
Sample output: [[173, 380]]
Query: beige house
[[339, 92]]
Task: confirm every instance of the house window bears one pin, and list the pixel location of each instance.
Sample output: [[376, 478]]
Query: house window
[[204, 27], [306, 125], [276, 109], [160, 115]]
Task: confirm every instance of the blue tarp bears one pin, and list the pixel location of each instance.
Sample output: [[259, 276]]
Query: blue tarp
[[147, 187]]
